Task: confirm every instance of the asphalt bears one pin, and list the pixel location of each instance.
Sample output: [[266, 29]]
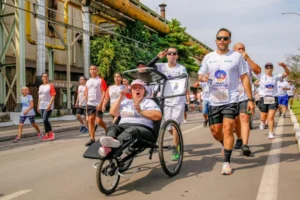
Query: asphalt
[[56, 170]]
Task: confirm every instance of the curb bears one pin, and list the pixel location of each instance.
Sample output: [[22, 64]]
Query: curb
[[33, 134], [296, 127]]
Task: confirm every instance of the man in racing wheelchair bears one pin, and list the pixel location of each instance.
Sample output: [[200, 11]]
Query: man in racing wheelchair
[[137, 116]]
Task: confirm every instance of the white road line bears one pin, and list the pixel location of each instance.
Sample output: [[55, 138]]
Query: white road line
[[269, 183], [15, 195], [189, 130]]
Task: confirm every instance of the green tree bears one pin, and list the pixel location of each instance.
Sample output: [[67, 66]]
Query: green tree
[[293, 61]]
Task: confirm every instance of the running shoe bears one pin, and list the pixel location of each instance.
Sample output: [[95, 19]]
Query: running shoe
[[205, 123], [40, 135], [175, 153], [246, 150], [238, 144], [85, 130], [104, 151], [17, 140], [184, 121], [226, 169], [51, 136], [110, 142], [261, 126], [81, 129], [271, 135], [45, 138], [90, 142]]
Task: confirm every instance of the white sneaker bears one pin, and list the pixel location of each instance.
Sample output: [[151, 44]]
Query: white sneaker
[[110, 142], [262, 126], [226, 169], [271, 135], [184, 121]]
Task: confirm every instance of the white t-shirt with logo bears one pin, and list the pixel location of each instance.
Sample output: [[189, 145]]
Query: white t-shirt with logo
[[130, 115], [81, 92], [205, 91], [268, 85], [225, 71], [192, 97], [242, 93], [25, 101], [46, 91], [280, 91], [291, 91], [170, 72], [114, 92], [94, 93]]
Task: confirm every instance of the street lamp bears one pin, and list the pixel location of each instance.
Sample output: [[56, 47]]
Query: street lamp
[[291, 13]]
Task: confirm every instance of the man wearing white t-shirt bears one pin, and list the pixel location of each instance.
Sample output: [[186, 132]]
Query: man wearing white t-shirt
[[222, 70], [81, 105], [242, 121], [174, 107], [283, 99], [291, 93], [268, 96]]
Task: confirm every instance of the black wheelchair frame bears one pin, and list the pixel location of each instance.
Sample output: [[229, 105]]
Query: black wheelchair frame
[[118, 165]]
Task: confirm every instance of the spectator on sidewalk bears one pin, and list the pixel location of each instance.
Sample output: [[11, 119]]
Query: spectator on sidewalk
[[27, 112]]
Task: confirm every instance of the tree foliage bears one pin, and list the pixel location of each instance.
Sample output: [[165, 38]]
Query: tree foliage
[[293, 61], [117, 54]]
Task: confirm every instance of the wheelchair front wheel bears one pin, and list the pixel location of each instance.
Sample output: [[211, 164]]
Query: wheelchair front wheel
[[170, 149], [107, 176]]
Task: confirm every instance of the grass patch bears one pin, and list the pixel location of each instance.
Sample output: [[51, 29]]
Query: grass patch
[[296, 109]]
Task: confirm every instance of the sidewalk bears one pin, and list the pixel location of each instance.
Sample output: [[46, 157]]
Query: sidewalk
[[10, 132]]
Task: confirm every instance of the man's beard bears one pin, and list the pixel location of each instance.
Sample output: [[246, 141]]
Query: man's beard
[[223, 48]]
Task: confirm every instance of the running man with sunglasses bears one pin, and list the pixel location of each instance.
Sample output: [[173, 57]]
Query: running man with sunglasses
[[242, 121], [268, 95], [174, 107], [222, 69]]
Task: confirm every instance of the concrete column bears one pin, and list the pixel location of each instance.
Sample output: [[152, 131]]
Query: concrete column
[[69, 57], [40, 43], [20, 50], [86, 40]]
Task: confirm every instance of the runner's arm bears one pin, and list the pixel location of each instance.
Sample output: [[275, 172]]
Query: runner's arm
[[254, 67], [53, 93], [286, 70]]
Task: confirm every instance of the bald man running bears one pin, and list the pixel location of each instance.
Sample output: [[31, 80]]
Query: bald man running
[[242, 121]]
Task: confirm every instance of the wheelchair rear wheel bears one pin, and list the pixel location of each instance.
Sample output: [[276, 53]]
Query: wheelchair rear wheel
[[170, 155], [107, 176]]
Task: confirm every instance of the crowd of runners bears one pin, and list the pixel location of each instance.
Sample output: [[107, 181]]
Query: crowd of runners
[[229, 86]]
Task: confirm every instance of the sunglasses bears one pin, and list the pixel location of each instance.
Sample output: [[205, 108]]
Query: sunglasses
[[172, 53], [269, 67], [219, 38]]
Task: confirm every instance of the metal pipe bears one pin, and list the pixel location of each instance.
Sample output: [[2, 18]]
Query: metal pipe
[[41, 40], [131, 10], [86, 39], [28, 30]]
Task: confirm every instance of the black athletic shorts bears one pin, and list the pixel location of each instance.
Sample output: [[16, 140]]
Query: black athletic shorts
[[91, 110], [217, 113], [186, 108], [266, 107], [243, 106], [291, 97], [80, 111]]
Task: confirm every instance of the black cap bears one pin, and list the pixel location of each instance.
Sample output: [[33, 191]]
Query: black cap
[[269, 64], [141, 62]]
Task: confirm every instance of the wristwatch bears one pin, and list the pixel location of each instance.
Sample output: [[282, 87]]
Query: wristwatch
[[252, 99]]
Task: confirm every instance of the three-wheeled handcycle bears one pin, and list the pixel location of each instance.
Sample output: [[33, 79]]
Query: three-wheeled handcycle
[[112, 167]]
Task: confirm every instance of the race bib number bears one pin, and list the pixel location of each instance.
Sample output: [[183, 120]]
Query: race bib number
[[92, 97], [220, 95], [269, 100], [241, 90], [206, 89], [41, 96], [127, 112]]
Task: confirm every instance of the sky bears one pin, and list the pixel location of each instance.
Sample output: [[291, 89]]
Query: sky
[[268, 35]]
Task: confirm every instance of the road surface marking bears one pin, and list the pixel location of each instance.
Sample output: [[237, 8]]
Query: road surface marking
[[189, 130], [15, 195], [269, 183]]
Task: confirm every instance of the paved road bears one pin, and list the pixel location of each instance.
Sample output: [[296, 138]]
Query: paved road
[[56, 170]]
